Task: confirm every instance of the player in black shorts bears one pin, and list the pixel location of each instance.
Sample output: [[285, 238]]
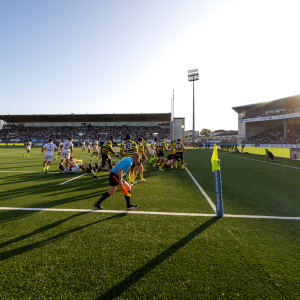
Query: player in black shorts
[[270, 154]]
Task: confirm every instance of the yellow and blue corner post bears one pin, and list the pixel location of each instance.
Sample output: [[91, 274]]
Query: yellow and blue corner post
[[217, 182]]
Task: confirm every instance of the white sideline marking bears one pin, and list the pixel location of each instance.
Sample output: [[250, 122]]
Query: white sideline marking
[[73, 179], [25, 172], [147, 213], [259, 161], [202, 191]]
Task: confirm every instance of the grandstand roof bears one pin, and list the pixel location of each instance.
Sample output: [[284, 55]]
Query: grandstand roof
[[87, 118], [289, 102]]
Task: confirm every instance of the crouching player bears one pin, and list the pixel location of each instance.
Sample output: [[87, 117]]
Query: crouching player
[[118, 171], [171, 152], [270, 154], [48, 151]]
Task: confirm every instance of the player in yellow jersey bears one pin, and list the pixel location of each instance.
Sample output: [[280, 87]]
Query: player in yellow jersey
[[106, 148], [180, 153], [127, 148], [146, 149], [139, 167], [160, 147], [152, 150], [171, 152]]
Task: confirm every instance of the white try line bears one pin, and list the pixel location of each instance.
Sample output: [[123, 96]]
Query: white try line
[[73, 179], [213, 206], [26, 172], [259, 161], [137, 212]]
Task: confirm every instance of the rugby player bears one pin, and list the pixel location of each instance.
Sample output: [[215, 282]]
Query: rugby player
[[83, 146], [180, 153], [28, 148], [106, 159], [60, 146], [160, 147], [268, 155], [152, 150], [95, 148], [67, 149], [171, 152], [139, 166], [72, 168], [118, 171], [89, 143], [127, 149], [48, 151]]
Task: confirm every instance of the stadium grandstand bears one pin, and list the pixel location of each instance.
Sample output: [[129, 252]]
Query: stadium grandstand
[[273, 124], [39, 128]]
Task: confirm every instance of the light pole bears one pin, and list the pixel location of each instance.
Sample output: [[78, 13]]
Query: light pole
[[193, 75]]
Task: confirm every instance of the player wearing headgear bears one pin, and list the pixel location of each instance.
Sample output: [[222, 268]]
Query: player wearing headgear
[[139, 166], [48, 151], [180, 153], [127, 149], [83, 146], [95, 148], [106, 159], [268, 155], [28, 148], [118, 172], [160, 147], [152, 150], [66, 151]]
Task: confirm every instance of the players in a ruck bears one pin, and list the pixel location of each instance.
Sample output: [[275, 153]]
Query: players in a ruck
[[160, 148], [66, 151], [180, 153], [139, 166], [106, 149], [48, 151], [28, 148], [127, 148]]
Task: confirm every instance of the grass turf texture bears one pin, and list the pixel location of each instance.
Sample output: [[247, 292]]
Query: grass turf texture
[[71, 255]]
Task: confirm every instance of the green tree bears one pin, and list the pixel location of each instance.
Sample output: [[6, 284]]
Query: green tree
[[205, 132]]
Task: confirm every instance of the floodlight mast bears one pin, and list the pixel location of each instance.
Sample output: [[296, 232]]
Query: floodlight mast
[[193, 75]]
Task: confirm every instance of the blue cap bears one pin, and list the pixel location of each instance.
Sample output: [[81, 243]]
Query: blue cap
[[127, 137]]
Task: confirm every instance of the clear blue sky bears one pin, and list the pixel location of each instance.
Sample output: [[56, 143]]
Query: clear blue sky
[[128, 56]]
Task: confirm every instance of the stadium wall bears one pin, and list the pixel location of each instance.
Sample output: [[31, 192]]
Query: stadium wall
[[285, 153]]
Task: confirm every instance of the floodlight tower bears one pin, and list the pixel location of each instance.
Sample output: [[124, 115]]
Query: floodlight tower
[[193, 75]]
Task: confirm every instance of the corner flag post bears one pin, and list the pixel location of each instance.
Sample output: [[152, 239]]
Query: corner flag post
[[217, 182]]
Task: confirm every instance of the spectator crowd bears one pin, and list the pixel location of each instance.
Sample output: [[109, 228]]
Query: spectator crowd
[[87, 133], [276, 136]]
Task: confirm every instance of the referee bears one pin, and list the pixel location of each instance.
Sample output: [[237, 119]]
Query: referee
[[118, 171], [270, 154]]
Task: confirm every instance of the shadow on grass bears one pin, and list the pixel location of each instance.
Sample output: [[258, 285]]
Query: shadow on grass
[[134, 277], [24, 249]]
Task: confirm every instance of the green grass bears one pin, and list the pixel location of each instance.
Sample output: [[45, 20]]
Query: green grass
[[82, 255]]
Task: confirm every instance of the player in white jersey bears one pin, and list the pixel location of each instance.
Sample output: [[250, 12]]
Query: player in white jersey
[[96, 148], [72, 168], [89, 144], [48, 151], [83, 146], [66, 151], [28, 148], [152, 150]]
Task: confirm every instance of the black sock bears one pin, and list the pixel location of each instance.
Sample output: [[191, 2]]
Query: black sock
[[127, 200], [104, 196]]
